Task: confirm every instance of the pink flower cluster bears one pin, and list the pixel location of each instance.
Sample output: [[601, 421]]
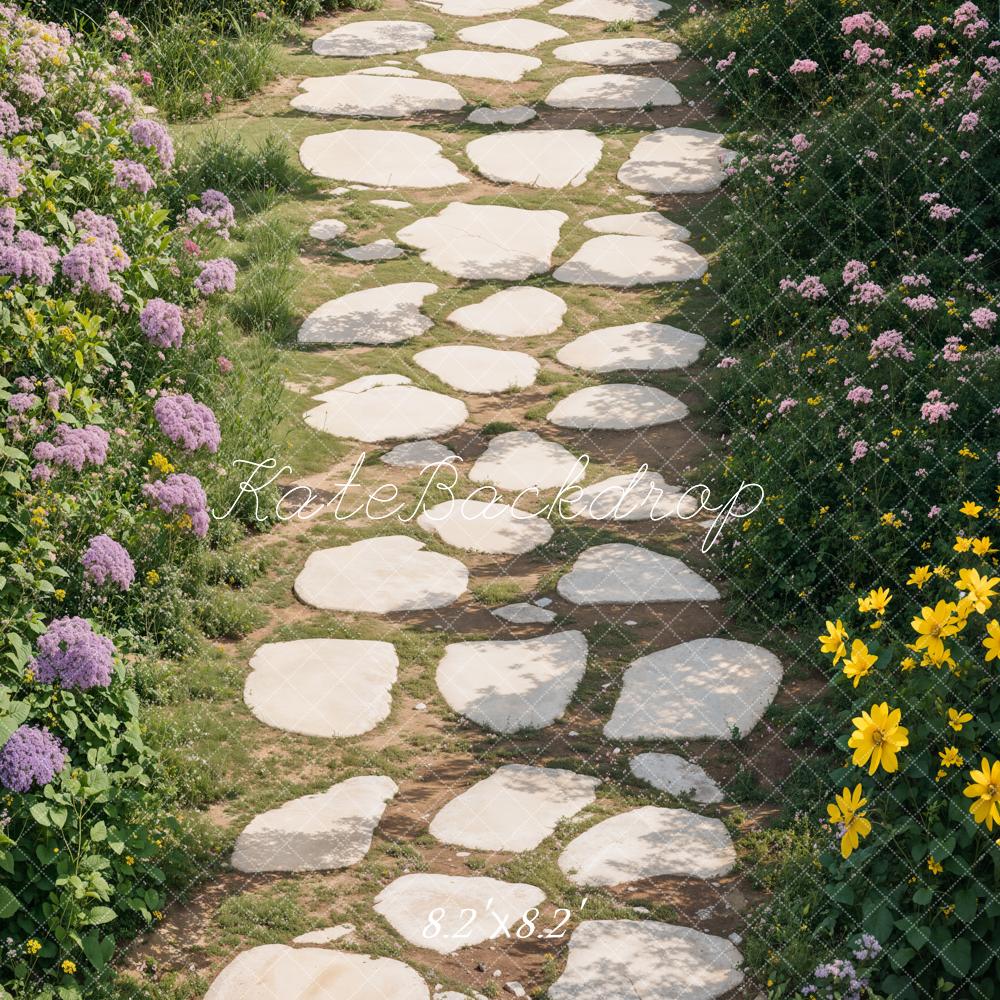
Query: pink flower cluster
[[217, 275], [936, 408], [74, 447], [188, 423], [162, 323], [104, 560], [181, 492], [214, 211], [810, 287]]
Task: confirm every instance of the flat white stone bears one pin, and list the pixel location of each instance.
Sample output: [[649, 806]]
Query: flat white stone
[[521, 460], [325, 935], [386, 413], [418, 454], [379, 250], [492, 528], [518, 33], [613, 10], [487, 241], [506, 66], [628, 574], [618, 51], [676, 776], [702, 688], [514, 809], [638, 199], [615, 407], [327, 229], [383, 158], [387, 314], [639, 224], [613, 91], [624, 261], [647, 843], [516, 115], [554, 158], [275, 970], [407, 901], [633, 347], [508, 686], [646, 960], [384, 71], [478, 8], [676, 161], [469, 368], [332, 829], [513, 312], [367, 382], [524, 614], [390, 203], [635, 496], [374, 38], [375, 96]]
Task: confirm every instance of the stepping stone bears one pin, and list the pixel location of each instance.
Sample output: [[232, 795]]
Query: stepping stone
[[481, 370], [647, 843], [379, 250], [478, 8], [613, 10], [327, 229], [521, 460], [384, 71], [381, 158], [618, 51], [628, 574], [418, 454], [638, 199], [632, 497], [390, 203], [275, 970], [374, 38], [633, 347], [487, 241], [513, 312], [518, 33], [625, 261], [632, 959], [492, 528], [407, 902], [326, 935], [613, 91], [616, 407], [504, 66], [379, 576], [316, 832], [639, 224], [514, 809], [322, 687], [676, 776], [676, 161], [703, 688], [517, 115], [384, 315], [524, 614], [375, 96], [554, 158], [375, 413], [509, 686]]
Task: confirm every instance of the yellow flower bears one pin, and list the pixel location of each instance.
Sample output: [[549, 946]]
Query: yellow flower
[[919, 576], [877, 738], [942, 571], [935, 867], [962, 544], [935, 624], [847, 810], [864, 604], [977, 589], [860, 663], [878, 600], [152, 578], [161, 463], [908, 663], [68, 967], [985, 789], [957, 719], [982, 546], [32, 946], [970, 508], [950, 757], [992, 641], [834, 641]]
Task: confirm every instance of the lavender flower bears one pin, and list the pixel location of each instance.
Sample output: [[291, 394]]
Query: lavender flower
[[7, 219], [217, 275], [187, 422], [106, 560], [90, 263], [130, 174], [152, 135], [74, 447], [11, 170], [117, 94], [30, 757], [180, 491], [28, 258], [31, 86], [214, 211], [103, 227], [21, 402], [73, 654], [10, 122], [162, 323]]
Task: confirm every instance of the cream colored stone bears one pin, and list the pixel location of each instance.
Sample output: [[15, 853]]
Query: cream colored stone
[[634, 347], [387, 314], [505, 66], [513, 312], [626, 261], [374, 96], [619, 51], [361, 39], [617, 406], [676, 776], [550, 158], [482, 370], [639, 224], [613, 91], [379, 250], [492, 528], [635, 496], [327, 229], [676, 161], [517, 33], [521, 460], [516, 115]]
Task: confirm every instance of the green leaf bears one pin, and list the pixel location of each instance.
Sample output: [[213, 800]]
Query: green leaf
[[918, 937], [9, 904], [40, 813], [147, 276], [957, 956], [99, 831], [102, 915], [923, 895], [966, 904]]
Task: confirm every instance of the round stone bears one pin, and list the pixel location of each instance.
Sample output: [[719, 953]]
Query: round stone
[[634, 347], [316, 832], [628, 574], [508, 686], [322, 687], [555, 158], [487, 241], [506, 66], [375, 413], [481, 370], [384, 315], [513, 312], [327, 229], [379, 250], [518, 33], [374, 38], [275, 970], [491, 528], [625, 261], [619, 51], [616, 407], [704, 688], [637, 496], [478, 8], [613, 91], [627, 959], [514, 809], [468, 904], [418, 454], [380, 158], [639, 224], [676, 161], [521, 460], [516, 115], [375, 96], [676, 776], [380, 576], [647, 843], [524, 614]]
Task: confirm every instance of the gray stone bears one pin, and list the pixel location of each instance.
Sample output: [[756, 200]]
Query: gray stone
[[521, 460], [617, 406], [387, 314], [524, 614], [552, 158], [625, 261], [375, 96], [516, 115], [392, 203], [613, 91], [634, 347], [676, 776], [373, 38], [379, 250]]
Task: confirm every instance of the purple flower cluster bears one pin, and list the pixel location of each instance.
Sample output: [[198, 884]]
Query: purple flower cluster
[[91, 263], [936, 408], [188, 423], [217, 275], [214, 211], [162, 323], [152, 135], [11, 170], [131, 174], [27, 257], [117, 94], [74, 447], [21, 402], [181, 492], [890, 344], [106, 560], [10, 122], [71, 653], [103, 227], [31, 757]]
